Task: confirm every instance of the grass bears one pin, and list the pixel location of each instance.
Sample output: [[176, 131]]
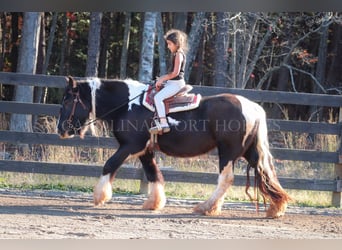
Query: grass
[[204, 163], [26, 181]]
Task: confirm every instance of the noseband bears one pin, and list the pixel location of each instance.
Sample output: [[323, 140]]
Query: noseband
[[77, 99]]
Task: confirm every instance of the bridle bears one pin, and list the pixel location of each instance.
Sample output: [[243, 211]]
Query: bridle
[[77, 100]]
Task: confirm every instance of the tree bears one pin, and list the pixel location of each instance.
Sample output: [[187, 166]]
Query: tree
[[193, 42], [48, 54], [245, 67], [221, 55], [147, 47], [27, 64], [289, 51], [40, 60], [63, 45], [322, 50], [105, 41], [124, 51], [335, 66], [161, 46], [94, 38], [180, 20], [14, 41]]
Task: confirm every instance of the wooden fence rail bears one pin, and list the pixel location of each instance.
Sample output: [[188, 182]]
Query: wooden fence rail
[[129, 172]]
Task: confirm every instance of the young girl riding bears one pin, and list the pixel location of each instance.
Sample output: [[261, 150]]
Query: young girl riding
[[173, 81]]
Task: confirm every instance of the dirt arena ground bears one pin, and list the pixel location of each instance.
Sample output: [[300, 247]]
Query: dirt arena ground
[[67, 215]]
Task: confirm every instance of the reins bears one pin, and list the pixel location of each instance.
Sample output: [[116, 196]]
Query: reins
[[78, 99]]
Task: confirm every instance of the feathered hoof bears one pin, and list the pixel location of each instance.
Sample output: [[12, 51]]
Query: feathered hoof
[[151, 204], [157, 199], [276, 210], [101, 200], [205, 209], [102, 191]]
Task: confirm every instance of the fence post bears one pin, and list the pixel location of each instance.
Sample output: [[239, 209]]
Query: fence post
[[337, 196]]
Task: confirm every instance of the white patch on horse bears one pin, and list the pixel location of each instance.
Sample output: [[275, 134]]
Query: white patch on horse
[[135, 89], [213, 205], [173, 121], [251, 111], [94, 84], [225, 180], [103, 190]]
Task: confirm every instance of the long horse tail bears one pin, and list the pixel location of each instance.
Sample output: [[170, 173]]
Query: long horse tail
[[260, 157], [266, 177]]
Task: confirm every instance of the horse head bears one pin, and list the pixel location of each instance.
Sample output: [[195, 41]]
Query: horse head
[[76, 106]]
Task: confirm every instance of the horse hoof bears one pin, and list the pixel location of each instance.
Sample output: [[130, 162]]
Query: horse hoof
[[102, 191], [98, 203], [152, 205], [270, 215], [101, 200], [203, 209], [276, 211], [157, 199]]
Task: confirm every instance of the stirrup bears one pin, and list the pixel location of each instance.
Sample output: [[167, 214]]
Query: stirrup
[[159, 128]]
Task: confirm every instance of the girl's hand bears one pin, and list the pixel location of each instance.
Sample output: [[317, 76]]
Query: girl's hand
[[159, 84]]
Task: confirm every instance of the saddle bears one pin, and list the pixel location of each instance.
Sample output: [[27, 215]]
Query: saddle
[[181, 101]]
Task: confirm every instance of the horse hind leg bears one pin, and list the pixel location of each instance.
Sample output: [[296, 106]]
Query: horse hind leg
[[157, 198], [213, 205]]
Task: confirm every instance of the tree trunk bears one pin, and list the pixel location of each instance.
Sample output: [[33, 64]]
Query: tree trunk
[[3, 47], [40, 58], [161, 46], [63, 45], [322, 55], [3, 43], [94, 38], [37, 91], [180, 20], [27, 64], [125, 46], [193, 42], [14, 41], [321, 65], [233, 60], [48, 53], [198, 74], [147, 49], [335, 67], [244, 73], [221, 44], [105, 40]]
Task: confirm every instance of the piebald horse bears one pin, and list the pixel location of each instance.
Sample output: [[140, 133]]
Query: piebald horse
[[231, 123]]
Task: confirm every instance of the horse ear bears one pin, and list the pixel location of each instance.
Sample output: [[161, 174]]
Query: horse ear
[[71, 82]]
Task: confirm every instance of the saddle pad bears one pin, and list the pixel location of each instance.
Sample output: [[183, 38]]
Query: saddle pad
[[173, 104]]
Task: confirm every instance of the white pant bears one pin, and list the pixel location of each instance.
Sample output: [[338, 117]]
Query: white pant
[[171, 88]]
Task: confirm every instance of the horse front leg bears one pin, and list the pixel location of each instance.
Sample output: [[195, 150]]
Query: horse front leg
[[156, 199], [103, 189], [213, 205]]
